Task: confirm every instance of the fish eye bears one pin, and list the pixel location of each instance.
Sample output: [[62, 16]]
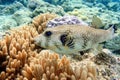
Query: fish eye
[[48, 33]]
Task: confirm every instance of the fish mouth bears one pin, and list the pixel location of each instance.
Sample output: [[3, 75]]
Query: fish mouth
[[38, 45], [38, 48], [36, 41]]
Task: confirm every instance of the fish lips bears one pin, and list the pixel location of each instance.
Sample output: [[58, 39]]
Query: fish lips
[[37, 41]]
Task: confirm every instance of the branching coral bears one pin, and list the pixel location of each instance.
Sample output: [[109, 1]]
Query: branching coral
[[14, 51], [84, 70], [50, 67], [47, 67], [16, 47], [40, 21]]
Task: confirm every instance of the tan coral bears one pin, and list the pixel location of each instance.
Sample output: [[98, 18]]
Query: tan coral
[[40, 21], [85, 70], [14, 51], [49, 66]]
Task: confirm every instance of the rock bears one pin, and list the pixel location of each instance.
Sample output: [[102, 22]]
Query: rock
[[7, 23], [86, 14], [68, 6], [100, 5], [11, 8], [113, 6], [22, 16], [47, 8], [104, 59], [32, 4]]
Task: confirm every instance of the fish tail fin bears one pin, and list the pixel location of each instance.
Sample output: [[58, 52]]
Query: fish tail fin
[[112, 30]]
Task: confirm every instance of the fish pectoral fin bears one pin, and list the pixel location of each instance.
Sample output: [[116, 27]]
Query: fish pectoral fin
[[66, 47], [52, 47]]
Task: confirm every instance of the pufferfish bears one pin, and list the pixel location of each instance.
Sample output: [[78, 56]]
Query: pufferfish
[[72, 38]]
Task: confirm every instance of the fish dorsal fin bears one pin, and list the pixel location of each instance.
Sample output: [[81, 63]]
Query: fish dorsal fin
[[96, 22]]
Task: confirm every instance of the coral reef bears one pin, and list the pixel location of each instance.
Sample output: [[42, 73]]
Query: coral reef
[[39, 7], [44, 9], [16, 15], [7, 23], [14, 49], [105, 4], [114, 6], [18, 55], [22, 16], [21, 59], [32, 4], [50, 67], [68, 5], [86, 14], [40, 21], [11, 8]]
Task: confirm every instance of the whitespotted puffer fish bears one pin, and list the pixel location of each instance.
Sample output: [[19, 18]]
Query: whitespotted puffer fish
[[72, 38]]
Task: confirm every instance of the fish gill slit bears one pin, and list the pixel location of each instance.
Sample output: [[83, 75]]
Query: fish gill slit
[[71, 43], [85, 39]]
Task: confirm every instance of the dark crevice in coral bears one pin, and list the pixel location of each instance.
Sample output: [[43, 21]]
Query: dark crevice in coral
[[2, 60], [116, 51]]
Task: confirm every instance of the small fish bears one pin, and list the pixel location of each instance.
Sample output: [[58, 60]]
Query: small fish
[[67, 39]]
